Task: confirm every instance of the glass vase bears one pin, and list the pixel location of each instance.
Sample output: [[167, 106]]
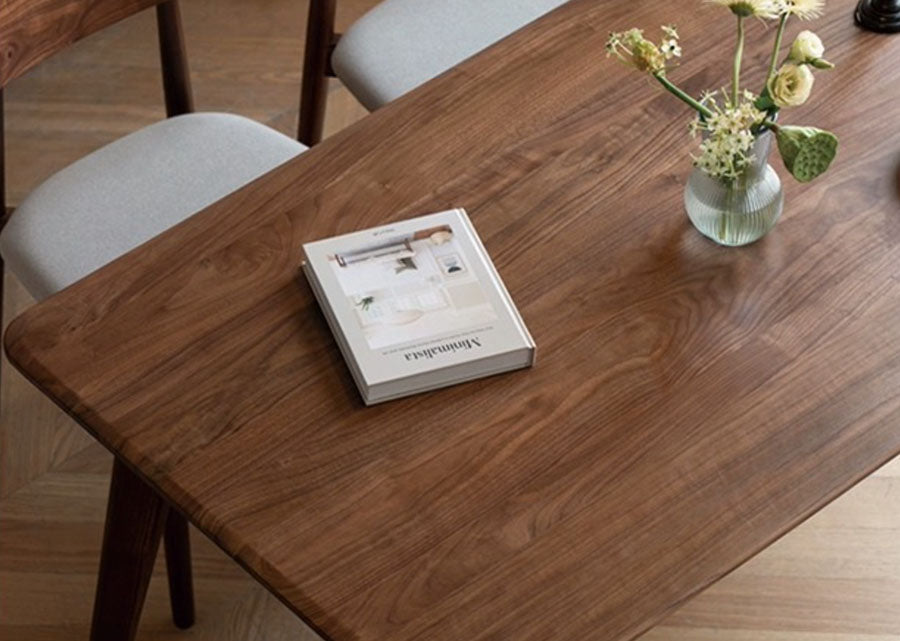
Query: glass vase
[[740, 211]]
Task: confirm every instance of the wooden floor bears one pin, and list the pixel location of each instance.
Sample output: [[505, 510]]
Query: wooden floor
[[836, 578]]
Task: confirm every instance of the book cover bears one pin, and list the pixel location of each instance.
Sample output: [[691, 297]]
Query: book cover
[[416, 305]]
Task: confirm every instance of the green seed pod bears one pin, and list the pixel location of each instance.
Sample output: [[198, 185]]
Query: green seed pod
[[807, 152]]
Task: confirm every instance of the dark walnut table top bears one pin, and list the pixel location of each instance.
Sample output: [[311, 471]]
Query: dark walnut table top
[[690, 403]]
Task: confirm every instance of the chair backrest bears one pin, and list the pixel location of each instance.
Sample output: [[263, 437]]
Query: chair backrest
[[33, 30]]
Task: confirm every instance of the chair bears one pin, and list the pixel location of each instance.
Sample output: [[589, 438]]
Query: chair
[[399, 45], [115, 199]]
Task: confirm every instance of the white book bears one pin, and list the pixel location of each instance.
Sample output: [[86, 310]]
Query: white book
[[416, 305]]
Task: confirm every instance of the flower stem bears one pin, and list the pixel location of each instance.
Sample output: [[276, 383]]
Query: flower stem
[[738, 59], [773, 66], [678, 93]]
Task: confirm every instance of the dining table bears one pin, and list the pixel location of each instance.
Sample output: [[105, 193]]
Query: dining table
[[690, 403]]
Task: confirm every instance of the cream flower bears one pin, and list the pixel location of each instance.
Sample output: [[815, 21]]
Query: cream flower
[[747, 8], [807, 47], [791, 86], [636, 51], [803, 9]]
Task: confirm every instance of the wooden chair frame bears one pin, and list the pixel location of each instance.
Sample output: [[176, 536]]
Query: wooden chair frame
[[129, 547], [321, 40]]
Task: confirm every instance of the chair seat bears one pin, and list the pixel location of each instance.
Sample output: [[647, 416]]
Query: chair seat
[[131, 190], [401, 44]]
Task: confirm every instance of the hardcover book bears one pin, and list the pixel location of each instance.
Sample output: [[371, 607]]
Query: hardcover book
[[416, 305]]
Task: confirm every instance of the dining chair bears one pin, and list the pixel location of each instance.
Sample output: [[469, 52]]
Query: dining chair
[[118, 197], [397, 46]]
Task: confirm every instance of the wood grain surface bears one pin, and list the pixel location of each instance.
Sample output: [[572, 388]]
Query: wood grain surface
[[691, 403], [33, 30]]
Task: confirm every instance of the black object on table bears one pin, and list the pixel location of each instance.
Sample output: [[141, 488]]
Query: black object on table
[[879, 15]]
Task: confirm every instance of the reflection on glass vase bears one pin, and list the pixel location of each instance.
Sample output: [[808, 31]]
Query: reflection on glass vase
[[741, 211]]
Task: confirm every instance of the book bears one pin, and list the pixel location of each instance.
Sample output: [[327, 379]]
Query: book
[[416, 305]]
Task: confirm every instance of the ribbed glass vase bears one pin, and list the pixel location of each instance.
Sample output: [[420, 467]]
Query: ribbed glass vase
[[737, 212]]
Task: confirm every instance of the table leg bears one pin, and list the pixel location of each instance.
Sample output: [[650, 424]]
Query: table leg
[[178, 565], [135, 518]]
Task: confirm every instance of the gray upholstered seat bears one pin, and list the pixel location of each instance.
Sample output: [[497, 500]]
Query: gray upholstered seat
[[127, 192], [401, 44]]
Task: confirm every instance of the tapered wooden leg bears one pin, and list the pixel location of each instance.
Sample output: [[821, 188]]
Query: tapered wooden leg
[[135, 519], [178, 564]]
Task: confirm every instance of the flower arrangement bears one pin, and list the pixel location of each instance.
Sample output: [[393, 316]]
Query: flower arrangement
[[732, 120]]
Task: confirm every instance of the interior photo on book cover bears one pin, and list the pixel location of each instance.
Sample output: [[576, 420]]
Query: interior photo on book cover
[[412, 287]]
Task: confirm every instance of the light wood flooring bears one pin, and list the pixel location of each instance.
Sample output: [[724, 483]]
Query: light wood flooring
[[836, 578]]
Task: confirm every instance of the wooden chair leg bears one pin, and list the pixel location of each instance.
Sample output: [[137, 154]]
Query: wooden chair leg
[[173, 55], [316, 66], [2, 326], [135, 519], [178, 565], [4, 210]]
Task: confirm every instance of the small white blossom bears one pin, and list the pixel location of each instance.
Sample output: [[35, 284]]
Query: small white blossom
[[708, 97], [671, 49], [728, 138], [670, 31], [695, 126]]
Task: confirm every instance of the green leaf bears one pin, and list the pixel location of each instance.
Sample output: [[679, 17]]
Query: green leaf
[[764, 102], [807, 151]]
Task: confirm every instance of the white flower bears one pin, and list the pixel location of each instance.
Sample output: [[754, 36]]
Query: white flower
[[807, 47], [803, 9], [747, 8], [695, 126], [670, 31], [791, 86], [728, 140], [670, 49], [708, 97]]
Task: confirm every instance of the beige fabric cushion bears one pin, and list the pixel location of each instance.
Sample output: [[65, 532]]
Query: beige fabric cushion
[[127, 192], [401, 44]]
